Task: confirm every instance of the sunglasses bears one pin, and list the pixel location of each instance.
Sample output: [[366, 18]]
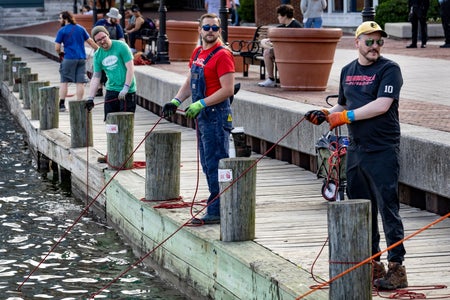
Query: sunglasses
[[370, 42], [214, 28]]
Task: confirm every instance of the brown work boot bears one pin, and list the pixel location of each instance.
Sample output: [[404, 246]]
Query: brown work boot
[[378, 270], [394, 279]]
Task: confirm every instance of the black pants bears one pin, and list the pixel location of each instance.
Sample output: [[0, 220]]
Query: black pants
[[374, 176], [445, 16], [417, 18]]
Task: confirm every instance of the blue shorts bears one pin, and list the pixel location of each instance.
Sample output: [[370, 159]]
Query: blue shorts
[[73, 70]]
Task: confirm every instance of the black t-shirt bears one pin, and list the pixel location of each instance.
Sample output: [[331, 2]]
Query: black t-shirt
[[360, 85], [294, 24]]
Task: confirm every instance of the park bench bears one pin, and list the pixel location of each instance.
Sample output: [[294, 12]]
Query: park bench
[[251, 51]]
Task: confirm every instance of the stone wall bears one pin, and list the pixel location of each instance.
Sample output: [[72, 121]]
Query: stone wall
[[20, 17]]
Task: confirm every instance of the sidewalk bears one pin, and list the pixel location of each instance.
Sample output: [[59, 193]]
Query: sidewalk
[[425, 94]]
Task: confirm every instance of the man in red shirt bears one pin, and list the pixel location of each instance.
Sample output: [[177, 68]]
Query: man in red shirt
[[210, 83]]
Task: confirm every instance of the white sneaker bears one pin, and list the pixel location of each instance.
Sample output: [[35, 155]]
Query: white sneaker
[[267, 83]]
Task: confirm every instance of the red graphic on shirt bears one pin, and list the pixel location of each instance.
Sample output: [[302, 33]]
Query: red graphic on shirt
[[359, 79]]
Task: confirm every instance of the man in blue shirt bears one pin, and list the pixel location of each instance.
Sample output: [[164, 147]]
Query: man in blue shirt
[[73, 58]]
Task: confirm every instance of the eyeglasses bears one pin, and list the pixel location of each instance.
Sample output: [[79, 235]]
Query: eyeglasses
[[370, 42], [101, 39], [214, 28]]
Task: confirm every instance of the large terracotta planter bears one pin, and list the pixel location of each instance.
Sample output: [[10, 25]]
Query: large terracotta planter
[[304, 56], [183, 37], [87, 21], [243, 33]]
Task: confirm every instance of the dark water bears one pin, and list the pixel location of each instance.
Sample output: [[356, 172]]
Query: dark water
[[34, 214]]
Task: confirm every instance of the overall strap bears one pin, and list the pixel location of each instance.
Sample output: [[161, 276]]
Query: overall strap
[[209, 56]]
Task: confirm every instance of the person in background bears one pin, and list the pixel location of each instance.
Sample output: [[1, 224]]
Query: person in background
[[418, 10], [368, 102], [86, 10], [212, 6], [234, 6], [138, 24], [210, 84], [312, 11], [111, 23], [72, 37], [444, 7], [285, 16], [116, 60]]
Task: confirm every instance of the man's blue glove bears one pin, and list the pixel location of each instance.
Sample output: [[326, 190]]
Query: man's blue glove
[[170, 108], [89, 104], [194, 109], [123, 92]]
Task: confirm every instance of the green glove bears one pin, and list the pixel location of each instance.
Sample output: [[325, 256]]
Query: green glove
[[194, 109]]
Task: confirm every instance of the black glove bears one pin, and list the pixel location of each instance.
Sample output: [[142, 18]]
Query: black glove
[[170, 108], [89, 104], [316, 117]]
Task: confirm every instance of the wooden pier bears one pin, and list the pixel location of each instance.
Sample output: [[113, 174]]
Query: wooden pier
[[291, 215]]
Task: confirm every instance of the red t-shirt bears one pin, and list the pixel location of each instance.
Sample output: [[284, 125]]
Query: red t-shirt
[[213, 69]]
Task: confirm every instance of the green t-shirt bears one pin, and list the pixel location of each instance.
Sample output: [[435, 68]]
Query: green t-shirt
[[113, 61]]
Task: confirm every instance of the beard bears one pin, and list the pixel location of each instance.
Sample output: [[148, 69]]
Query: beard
[[210, 38]]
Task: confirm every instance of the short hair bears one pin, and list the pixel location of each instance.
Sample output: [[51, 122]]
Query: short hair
[[209, 16], [286, 10]]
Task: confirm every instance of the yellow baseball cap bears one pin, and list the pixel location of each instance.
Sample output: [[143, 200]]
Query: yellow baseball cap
[[369, 27]]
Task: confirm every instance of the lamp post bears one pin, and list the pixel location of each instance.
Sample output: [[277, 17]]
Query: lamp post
[[223, 14], [368, 12], [162, 44], [122, 12], [94, 13]]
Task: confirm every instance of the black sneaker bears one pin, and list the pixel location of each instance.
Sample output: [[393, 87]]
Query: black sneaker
[[411, 46], [206, 220], [99, 93], [62, 107], [445, 46]]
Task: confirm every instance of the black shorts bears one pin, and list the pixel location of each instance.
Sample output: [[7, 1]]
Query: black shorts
[[113, 104]]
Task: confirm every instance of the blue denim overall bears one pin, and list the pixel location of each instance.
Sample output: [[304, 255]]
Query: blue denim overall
[[214, 127]]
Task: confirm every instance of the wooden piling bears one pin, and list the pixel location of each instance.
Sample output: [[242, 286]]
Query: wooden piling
[[350, 242], [10, 70], [22, 72], [33, 87], [26, 93], [49, 107], [15, 71], [163, 159], [237, 202], [4, 56], [7, 65], [80, 125], [120, 139]]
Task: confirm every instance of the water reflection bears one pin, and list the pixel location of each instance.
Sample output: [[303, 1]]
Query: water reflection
[[34, 213]]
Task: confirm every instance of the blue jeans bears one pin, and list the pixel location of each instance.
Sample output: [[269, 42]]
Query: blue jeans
[[374, 176], [314, 23], [214, 131]]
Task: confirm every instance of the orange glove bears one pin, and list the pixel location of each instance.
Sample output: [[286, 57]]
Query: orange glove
[[340, 118], [317, 116]]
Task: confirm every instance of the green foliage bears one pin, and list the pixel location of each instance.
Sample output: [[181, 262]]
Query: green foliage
[[247, 11], [391, 11]]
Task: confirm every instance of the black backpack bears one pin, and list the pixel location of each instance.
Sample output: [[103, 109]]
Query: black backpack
[[149, 28]]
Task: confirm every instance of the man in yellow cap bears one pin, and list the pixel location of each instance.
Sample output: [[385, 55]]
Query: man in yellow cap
[[368, 103]]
